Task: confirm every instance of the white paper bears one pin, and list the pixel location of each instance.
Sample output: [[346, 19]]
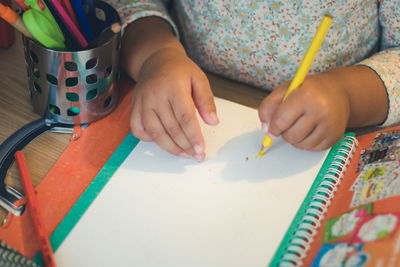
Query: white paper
[[230, 210]]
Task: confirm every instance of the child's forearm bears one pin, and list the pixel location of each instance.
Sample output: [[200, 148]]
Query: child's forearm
[[367, 95], [142, 39]]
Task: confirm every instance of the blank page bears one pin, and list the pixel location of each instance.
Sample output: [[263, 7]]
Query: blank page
[[230, 210]]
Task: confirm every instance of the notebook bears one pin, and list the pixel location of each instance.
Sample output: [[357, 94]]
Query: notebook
[[149, 208], [353, 214]]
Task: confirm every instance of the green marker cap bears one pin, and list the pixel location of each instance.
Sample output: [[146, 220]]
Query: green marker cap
[[42, 25]]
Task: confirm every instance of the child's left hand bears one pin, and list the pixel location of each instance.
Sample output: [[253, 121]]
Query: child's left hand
[[313, 117]]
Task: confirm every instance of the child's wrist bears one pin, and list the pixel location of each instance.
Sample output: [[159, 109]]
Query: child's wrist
[[143, 39]]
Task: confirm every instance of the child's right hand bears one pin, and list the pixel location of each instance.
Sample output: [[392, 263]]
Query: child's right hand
[[315, 116], [169, 88]]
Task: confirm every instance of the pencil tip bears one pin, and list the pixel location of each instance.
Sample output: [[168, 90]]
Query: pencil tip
[[262, 152]]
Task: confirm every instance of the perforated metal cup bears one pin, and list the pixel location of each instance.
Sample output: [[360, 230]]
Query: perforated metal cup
[[67, 88], [73, 87]]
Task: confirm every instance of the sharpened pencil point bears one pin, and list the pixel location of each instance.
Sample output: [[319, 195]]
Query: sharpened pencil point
[[267, 142], [262, 152]]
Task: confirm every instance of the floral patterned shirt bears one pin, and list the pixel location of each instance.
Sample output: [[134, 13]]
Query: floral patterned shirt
[[263, 42]]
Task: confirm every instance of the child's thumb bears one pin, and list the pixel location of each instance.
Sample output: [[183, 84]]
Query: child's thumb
[[204, 100]]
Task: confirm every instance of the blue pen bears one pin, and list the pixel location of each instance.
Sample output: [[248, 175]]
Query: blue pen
[[83, 21]]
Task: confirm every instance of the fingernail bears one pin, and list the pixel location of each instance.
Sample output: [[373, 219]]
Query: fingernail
[[264, 127], [199, 157], [214, 116], [265, 130], [198, 149], [184, 155], [272, 136]]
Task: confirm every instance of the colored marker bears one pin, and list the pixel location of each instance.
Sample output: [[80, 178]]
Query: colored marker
[[69, 39], [63, 15], [67, 5], [44, 243], [11, 17], [42, 25], [21, 3], [82, 18]]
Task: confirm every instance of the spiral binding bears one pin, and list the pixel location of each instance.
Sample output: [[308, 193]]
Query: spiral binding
[[11, 257], [306, 229]]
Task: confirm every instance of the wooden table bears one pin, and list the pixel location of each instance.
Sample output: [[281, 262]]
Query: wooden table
[[43, 152]]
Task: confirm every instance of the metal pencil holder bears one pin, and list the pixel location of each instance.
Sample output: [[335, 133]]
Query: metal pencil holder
[[73, 87], [67, 88]]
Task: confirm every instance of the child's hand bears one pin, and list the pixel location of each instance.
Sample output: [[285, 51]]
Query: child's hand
[[169, 88], [313, 117]]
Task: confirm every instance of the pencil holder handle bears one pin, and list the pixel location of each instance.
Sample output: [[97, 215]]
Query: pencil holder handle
[[17, 141]]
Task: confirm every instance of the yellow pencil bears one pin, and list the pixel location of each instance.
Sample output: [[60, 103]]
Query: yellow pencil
[[302, 70]]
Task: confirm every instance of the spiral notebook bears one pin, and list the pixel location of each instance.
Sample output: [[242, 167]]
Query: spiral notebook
[[351, 216], [148, 208]]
